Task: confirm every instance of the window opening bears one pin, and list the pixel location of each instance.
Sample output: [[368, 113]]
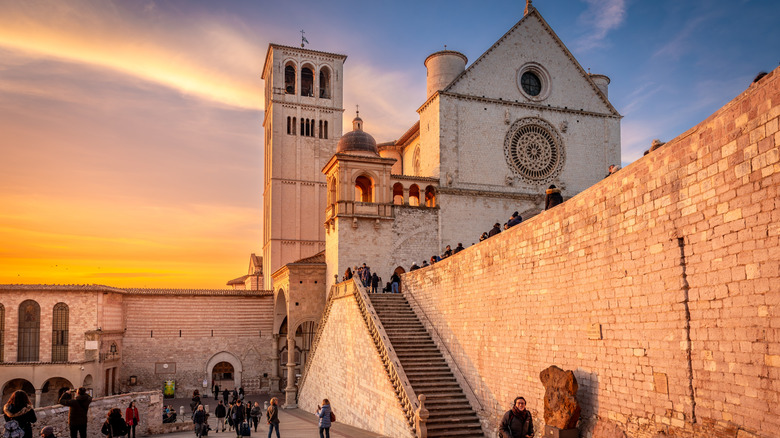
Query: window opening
[[325, 83], [307, 82], [398, 194], [29, 331], [59, 334], [414, 195], [289, 79], [363, 189]]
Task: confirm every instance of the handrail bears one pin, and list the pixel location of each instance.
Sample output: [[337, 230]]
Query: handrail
[[471, 395], [403, 390]]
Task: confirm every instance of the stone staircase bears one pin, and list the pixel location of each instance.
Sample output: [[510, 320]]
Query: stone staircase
[[451, 414]]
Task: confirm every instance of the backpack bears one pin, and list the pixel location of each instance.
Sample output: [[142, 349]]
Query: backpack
[[13, 430]]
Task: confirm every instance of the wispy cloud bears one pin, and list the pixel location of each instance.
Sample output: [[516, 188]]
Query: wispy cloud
[[140, 41], [601, 17]]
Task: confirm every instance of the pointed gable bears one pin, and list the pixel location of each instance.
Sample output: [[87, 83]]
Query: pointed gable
[[531, 42]]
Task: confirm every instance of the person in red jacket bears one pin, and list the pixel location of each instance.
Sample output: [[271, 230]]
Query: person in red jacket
[[132, 418]]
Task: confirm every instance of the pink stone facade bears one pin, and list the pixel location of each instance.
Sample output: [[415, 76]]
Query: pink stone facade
[[658, 287]]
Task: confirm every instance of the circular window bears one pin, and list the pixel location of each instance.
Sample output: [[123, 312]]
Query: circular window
[[533, 81], [534, 150]]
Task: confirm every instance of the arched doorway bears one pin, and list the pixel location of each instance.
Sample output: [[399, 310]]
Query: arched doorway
[[223, 374], [17, 384], [232, 361], [52, 390], [399, 270]]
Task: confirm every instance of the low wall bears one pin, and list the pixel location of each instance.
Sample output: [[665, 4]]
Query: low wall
[[658, 287], [149, 404], [346, 369]]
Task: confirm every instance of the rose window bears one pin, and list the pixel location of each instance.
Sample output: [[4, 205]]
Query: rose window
[[533, 150]]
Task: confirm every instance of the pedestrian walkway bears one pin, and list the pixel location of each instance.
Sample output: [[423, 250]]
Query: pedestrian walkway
[[293, 423]]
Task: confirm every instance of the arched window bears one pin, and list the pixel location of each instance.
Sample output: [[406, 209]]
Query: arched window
[[398, 194], [289, 123], [307, 82], [59, 333], [325, 83], [430, 197], [311, 123], [414, 195], [364, 189], [326, 129], [303, 127], [289, 79], [308, 128], [332, 191], [2, 333], [416, 161], [29, 331], [295, 126]]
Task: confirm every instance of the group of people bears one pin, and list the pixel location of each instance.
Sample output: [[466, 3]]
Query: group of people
[[363, 273], [20, 415]]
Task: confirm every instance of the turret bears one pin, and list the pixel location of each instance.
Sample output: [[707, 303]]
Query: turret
[[443, 67], [601, 81]]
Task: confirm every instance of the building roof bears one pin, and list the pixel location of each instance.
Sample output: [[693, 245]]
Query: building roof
[[316, 258], [357, 140], [239, 280], [61, 287], [200, 292]]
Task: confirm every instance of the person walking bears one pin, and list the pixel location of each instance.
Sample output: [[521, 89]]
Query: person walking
[[517, 422], [254, 414], [77, 413], [272, 414], [199, 419], [114, 426], [195, 401], [324, 413], [221, 413], [374, 283], [216, 391], [225, 395], [395, 280], [132, 419], [552, 197], [238, 415], [19, 410]]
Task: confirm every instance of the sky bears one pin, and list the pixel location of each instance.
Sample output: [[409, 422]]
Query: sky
[[131, 136]]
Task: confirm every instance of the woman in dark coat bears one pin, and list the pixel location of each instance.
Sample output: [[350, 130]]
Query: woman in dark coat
[[517, 422], [553, 197], [195, 401], [115, 424], [20, 409]]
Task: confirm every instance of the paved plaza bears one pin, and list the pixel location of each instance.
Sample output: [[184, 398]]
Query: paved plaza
[[293, 423]]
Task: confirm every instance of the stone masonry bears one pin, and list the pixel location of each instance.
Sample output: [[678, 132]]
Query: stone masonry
[[658, 286]]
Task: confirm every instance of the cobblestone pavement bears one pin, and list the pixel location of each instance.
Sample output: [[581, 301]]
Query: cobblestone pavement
[[293, 423]]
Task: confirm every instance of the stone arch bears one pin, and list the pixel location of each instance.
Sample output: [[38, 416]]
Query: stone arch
[[400, 270], [52, 389], [364, 188], [430, 196], [290, 75], [280, 310], [224, 356], [307, 79], [414, 195], [325, 82], [13, 385], [398, 194], [29, 331], [87, 383]]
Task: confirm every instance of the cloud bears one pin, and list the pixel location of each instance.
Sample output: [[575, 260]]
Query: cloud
[[601, 17], [143, 41]]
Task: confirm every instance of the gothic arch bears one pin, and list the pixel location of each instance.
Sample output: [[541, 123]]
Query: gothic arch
[[280, 310], [224, 356]]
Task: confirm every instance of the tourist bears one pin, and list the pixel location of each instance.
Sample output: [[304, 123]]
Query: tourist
[[47, 432], [553, 197], [272, 415], [483, 236], [395, 280], [458, 248], [132, 418], [495, 230], [447, 252], [115, 425], [425, 264], [230, 409], [238, 415], [517, 422], [374, 283], [216, 391], [241, 392], [248, 413], [195, 401], [20, 410], [254, 414], [515, 219], [612, 169], [414, 267], [225, 394], [77, 412], [221, 413], [347, 274], [199, 419], [234, 395], [324, 422]]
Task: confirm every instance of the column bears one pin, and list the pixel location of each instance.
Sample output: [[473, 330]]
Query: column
[[291, 391], [38, 394], [274, 385]]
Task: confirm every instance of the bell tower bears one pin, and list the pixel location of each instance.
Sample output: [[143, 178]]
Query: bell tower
[[302, 122]]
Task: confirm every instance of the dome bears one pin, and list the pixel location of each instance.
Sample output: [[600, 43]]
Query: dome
[[357, 140]]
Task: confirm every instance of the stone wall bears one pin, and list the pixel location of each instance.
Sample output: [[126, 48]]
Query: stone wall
[[346, 369], [187, 333], [149, 404], [658, 287]]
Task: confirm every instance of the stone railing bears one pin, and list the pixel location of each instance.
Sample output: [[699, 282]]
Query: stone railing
[[403, 390]]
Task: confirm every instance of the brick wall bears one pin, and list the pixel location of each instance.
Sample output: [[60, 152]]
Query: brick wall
[[657, 286], [346, 369]]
